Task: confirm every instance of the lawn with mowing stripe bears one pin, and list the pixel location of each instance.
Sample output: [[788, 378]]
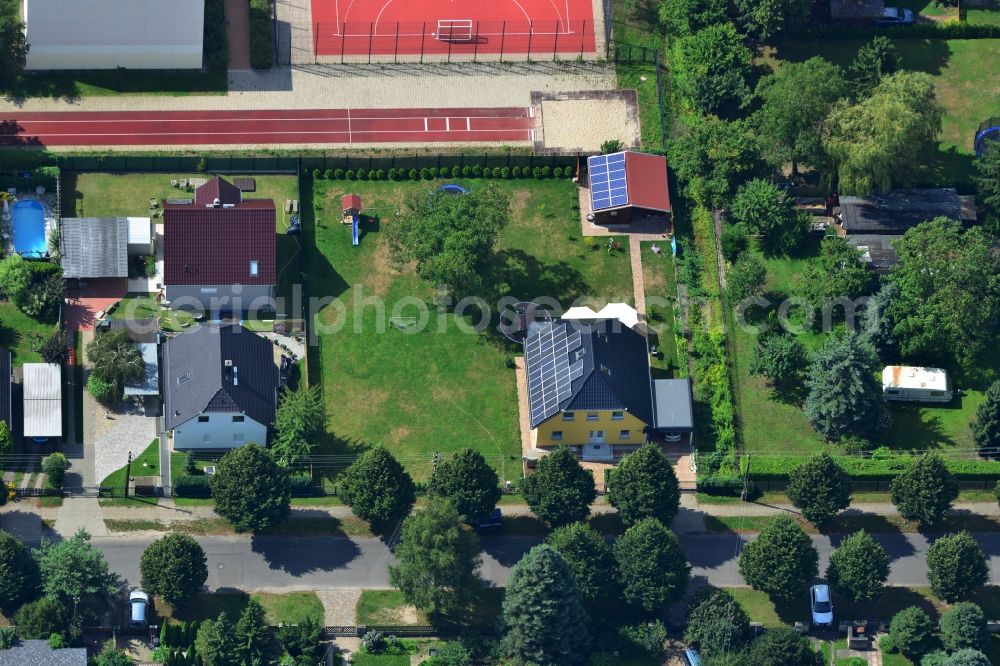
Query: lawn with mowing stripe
[[435, 388], [146, 463]]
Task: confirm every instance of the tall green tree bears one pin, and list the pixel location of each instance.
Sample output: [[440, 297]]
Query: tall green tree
[[543, 618], [174, 568], [711, 68], [589, 557], [820, 488], [254, 636], [781, 561], [782, 647], [956, 565], [450, 238], [469, 482], [987, 180], [874, 61], [964, 626], [77, 575], [938, 317], [986, 425], [115, 358], [779, 357], [878, 325], [925, 490], [20, 579], [768, 212], [652, 567], [560, 491], [377, 488], [113, 656], [910, 630], [795, 102], [683, 17], [713, 157], [845, 397], [837, 274], [251, 490], [859, 568], [13, 42], [881, 141], [644, 486], [217, 643], [716, 623], [15, 274], [766, 18], [745, 278], [437, 560], [299, 423]]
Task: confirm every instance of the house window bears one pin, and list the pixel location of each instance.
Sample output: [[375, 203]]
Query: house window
[[617, 416], [206, 439], [557, 435], [569, 416], [255, 267], [625, 434], [238, 418], [605, 369], [238, 438], [202, 419], [209, 290], [593, 416]]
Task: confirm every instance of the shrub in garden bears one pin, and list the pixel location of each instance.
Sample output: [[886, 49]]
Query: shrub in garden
[[782, 647], [102, 391], [413, 174], [362, 174], [350, 174], [317, 174], [967, 657], [392, 173], [466, 171], [328, 174], [647, 637], [55, 466], [964, 626], [546, 171], [376, 174], [956, 565], [497, 172], [425, 173], [536, 172], [910, 630], [505, 173], [487, 172], [477, 171], [338, 173], [516, 172], [456, 171], [716, 623], [557, 172]]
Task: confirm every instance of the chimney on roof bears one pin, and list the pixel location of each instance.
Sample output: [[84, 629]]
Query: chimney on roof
[[217, 202]]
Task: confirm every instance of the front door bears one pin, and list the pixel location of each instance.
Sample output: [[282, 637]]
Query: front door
[[596, 436], [596, 449]]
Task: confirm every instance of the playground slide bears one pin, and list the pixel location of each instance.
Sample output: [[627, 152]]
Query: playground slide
[[354, 230]]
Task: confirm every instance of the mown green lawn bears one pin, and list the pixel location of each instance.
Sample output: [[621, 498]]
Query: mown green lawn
[[435, 388], [387, 607], [287, 608], [142, 306], [107, 194], [22, 335], [146, 463], [119, 82], [965, 79], [661, 296]]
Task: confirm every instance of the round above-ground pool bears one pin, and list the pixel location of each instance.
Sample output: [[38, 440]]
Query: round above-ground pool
[[28, 223]]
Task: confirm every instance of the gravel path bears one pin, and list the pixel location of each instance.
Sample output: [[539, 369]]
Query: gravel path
[[359, 87], [119, 435]]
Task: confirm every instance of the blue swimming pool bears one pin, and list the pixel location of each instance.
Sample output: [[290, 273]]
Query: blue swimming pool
[[29, 228]]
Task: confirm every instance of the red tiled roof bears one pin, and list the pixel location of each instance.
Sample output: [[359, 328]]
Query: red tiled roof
[[350, 201], [217, 188], [647, 181], [206, 245]]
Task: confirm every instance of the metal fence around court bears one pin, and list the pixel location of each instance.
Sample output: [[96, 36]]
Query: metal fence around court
[[472, 42]]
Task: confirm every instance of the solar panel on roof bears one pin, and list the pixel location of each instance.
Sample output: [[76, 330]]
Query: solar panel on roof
[[608, 184], [549, 371]]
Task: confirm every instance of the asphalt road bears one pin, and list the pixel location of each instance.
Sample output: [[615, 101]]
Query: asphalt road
[[311, 563]]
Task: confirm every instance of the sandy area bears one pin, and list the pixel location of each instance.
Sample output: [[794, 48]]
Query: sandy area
[[585, 124]]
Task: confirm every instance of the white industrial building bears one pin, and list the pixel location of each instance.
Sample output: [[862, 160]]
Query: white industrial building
[[108, 34]]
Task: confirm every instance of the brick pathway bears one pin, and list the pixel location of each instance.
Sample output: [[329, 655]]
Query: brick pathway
[[523, 417], [638, 279], [340, 606], [238, 33]]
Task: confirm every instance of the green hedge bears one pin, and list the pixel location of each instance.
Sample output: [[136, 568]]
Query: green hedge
[[872, 469], [303, 486], [192, 486], [261, 35], [715, 484], [432, 173], [930, 30], [216, 42]]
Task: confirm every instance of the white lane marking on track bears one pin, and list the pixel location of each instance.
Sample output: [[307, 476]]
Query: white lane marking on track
[[350, 116], [187, 133]]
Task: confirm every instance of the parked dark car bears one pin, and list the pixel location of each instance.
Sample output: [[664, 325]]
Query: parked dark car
[[494, 521], [894, 16]]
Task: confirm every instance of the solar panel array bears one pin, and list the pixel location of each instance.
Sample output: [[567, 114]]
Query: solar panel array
[[608, 185], [550, 372]]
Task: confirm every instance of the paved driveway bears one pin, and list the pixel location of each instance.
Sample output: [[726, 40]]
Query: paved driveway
[[115, 434]]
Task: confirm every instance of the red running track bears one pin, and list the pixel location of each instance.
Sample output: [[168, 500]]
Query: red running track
[[323, 126]]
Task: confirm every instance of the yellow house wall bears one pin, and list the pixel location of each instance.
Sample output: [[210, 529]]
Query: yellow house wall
[[577, 432]]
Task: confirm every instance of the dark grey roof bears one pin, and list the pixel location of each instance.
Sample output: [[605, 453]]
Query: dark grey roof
[[673, 405], [94, 247], [896, 211], [33, 653], [606, 364], [219, 368], [879, 249], [5, 369]]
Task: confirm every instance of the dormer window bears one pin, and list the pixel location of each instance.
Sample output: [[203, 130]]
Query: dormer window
[[255, 267]]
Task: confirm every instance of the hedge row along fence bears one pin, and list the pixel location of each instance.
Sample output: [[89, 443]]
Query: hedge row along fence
[[771, 473], [430, 173], [216, 41], [930, 30], [197, 485]]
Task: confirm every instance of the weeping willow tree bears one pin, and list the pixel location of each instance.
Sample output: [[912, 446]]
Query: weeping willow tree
[[881, 141]]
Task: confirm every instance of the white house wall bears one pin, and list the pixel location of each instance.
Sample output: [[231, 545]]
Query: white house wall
[[107, 34], [219, 432]]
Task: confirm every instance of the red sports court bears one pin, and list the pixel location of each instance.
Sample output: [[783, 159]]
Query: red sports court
[[447, 28]]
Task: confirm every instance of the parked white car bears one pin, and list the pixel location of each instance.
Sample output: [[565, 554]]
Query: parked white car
[[138, 609], [821, 606]]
